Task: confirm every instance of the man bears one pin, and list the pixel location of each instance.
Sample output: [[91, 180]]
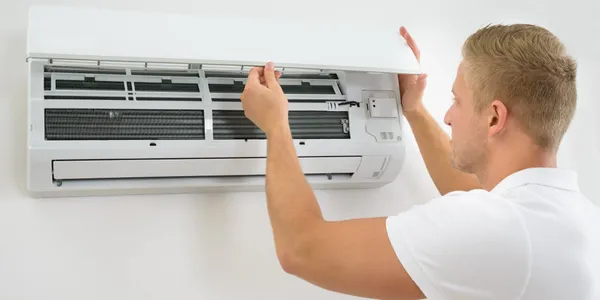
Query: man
[[509, 223]]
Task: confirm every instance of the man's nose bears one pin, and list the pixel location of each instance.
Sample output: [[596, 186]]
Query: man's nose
[[447, 118]]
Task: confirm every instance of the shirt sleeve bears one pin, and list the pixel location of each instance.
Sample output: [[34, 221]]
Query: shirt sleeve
[[467, 245]]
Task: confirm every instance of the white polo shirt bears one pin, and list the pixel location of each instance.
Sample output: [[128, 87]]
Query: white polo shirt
[[534, 236]]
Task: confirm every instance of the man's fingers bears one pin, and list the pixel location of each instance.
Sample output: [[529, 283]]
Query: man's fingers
[[258, 73], [411, 42], [254, 76], [270, 76]]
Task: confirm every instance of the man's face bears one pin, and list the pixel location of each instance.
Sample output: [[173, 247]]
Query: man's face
[[469, 129]]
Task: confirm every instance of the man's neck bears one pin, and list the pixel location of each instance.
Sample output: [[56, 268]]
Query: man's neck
[[504, 162]]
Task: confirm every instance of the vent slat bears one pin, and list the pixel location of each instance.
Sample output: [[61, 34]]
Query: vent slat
[[232, 124], [123, 124]]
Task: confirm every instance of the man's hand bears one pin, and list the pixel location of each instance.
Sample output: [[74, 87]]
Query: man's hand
[[263, 100], [433, 142], [411, 86]]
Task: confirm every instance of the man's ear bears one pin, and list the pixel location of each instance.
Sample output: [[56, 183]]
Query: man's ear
[[498, 117]]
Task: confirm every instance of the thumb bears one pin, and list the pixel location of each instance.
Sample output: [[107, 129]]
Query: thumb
[[420, 85], [253, 76], [270, 77], [421, 82]]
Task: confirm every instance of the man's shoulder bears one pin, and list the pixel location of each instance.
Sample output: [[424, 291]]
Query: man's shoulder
[[465, 218], [463, 241], [477, 203]]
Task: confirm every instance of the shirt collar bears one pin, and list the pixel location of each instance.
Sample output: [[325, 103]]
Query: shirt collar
[[552, 177]]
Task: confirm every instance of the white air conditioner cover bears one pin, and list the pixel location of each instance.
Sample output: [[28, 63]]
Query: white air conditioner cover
[[149, 103]]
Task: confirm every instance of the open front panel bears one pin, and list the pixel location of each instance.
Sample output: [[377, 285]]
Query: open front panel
[[215, 167], [232, 124], [123, 124], [181, 38]]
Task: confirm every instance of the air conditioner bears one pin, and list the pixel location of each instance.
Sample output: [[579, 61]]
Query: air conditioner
[[124, 102]]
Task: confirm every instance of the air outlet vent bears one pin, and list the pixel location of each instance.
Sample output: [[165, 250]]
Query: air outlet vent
[[232, 125], [123, 124]]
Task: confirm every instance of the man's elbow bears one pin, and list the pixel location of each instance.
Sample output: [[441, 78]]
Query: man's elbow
[[289, 262], [301, 249], [296, 258]]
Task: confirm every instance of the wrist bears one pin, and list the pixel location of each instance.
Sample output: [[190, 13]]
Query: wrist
[[415, 112], [280, 130]]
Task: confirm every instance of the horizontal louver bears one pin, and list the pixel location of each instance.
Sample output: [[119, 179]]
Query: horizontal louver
[[232, 124], [123, 124]]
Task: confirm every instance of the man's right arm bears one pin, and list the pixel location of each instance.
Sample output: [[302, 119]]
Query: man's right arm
[[434, 145], [433, 142]]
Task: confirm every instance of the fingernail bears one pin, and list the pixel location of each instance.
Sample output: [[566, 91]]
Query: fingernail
[[270, 65]]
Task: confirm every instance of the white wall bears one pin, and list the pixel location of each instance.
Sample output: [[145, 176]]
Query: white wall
[[220, 246]]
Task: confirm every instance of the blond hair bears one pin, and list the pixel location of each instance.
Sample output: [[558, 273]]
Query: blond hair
[[527, 68]]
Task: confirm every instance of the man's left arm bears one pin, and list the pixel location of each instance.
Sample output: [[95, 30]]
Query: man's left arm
[[352, 257]]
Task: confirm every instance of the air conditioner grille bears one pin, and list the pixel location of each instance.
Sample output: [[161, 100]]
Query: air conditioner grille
[[123, 124], [232, 124]]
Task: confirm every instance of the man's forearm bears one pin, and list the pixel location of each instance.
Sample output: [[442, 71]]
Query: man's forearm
[[434, 145], [292, 205]]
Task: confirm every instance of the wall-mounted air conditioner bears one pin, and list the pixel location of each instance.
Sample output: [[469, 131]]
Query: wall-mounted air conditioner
[[124, 102]]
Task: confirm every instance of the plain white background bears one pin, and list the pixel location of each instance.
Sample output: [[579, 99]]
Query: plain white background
[[220, 246]]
